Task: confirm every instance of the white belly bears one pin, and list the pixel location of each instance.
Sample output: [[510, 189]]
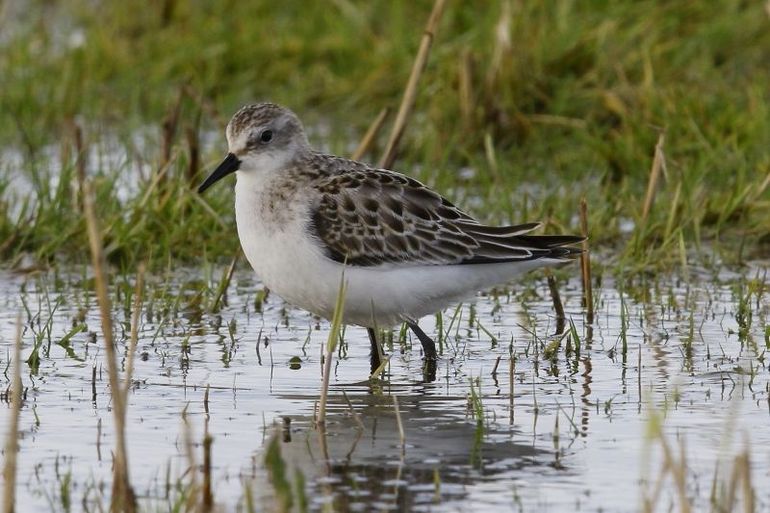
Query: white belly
[[291, 264]]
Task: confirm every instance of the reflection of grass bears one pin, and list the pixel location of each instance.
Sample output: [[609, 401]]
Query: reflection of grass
[[733, 491], [476, 408], [276, 469], [569, 99]]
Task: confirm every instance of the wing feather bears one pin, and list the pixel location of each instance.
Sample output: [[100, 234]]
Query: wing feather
[[370, 217]]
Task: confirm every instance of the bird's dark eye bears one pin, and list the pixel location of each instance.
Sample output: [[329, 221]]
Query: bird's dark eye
[[266, 136]]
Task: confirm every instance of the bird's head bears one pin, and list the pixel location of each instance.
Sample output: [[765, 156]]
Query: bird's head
[[261, 138]]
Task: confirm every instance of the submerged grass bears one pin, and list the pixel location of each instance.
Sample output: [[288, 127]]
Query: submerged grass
[[536, 105]]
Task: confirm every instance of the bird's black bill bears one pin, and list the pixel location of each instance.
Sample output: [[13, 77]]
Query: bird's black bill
[[229, 165]]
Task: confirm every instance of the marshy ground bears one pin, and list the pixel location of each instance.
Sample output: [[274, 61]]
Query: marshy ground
[[656, 113]]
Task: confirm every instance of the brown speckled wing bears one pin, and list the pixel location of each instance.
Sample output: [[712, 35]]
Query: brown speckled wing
[[372, 216]]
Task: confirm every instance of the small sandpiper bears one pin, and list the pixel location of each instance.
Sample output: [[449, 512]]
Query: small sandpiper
[[406, 250]]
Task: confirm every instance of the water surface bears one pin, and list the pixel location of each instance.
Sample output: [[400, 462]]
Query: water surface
[[570, 433]]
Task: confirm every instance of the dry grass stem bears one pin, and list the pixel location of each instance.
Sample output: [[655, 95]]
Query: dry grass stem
[[371, 134], [206, 106], [331, 345], [12, 436], [676, 468], [503, 45], [740, 481], [356, 416], [401, 435], [497, 364], [93, 384], [169, 129], [466, 90], [138, 290], [157, 179], [99, 439], [762, 187], [585, 264], [658, 165], [639, 375], [80, 161], [187, 436], [748, 489], [208, 497], [384, 361], [327, 369], [410, 93], [553, 120], [511, 374], [556, 298], [225, 283], [122, 494], [194, 153]]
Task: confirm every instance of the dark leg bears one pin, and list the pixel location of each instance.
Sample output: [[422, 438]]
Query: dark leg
[[428, 346], [429, 370], [375, 350]]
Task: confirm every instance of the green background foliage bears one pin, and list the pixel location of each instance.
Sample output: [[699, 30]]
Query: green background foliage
[[524, 108]]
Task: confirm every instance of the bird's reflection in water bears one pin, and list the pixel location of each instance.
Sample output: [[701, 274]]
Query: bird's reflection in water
[[358, 462]]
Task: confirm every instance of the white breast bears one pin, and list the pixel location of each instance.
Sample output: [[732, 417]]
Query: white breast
[[272, 229]]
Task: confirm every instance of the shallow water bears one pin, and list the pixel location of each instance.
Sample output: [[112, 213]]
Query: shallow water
[[575, 440]]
